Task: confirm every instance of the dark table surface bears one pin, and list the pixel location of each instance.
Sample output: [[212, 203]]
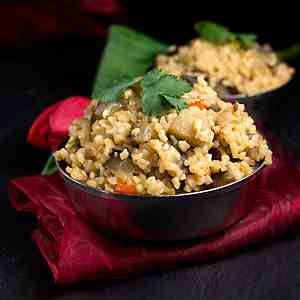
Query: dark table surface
[[34, 78]]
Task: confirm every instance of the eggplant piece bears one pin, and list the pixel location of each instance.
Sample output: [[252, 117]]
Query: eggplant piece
[[216, 154], [117, 166], [191, 79], [101, 107]]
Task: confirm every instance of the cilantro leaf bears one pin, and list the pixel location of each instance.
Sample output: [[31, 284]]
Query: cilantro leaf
[[178, 103], [213, 32], [157, 87], [246, 39], [219, 34], [154, 104], [161, 92], [162, 83], [152, 77], [127, 54], [113, 94]]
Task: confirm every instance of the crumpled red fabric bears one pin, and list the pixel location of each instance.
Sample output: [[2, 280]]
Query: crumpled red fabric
[[75, 252], [25, 22], [51, 127]]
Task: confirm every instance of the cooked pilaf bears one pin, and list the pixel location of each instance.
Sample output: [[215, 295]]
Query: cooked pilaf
[[245, 71], [116, 147]]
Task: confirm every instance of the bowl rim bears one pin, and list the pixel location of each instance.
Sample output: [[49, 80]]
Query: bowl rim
[[244, 98], [123, 196]]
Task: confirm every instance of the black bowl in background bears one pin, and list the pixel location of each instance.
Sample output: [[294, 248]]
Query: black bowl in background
[[264, 107]]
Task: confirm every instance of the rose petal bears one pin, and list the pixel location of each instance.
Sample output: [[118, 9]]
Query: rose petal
[[51, 127], [39, 131]]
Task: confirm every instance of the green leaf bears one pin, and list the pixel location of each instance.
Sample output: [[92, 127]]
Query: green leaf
[[218, 34], [127, 54], [289, 53], [214, 32], [156, 86], [178, 103], [246, 39], [154, 104], [114, 93], [162, 83], [50, 166], [152, 77]]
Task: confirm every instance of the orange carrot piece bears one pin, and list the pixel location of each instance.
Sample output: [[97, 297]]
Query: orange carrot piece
[[125, 188], [199, 105]]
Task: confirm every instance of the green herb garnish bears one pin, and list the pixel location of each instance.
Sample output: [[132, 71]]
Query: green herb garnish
[[246, 39], [127, 54], [213, 32], [114, 93], [289, 53], [50, 166], [219, 34], [161, 92], [178, 103]]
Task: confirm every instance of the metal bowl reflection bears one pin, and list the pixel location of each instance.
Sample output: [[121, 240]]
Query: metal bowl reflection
[[163, 218]]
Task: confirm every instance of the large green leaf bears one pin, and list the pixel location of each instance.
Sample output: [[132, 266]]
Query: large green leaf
[[127, 54]]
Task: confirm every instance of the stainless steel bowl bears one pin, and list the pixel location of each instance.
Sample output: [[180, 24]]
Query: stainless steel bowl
[[264, 106], [163, 218]]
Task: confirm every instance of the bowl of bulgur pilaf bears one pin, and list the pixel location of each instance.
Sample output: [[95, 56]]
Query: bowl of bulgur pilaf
[[229, 68], [126, 170], [255, 76]]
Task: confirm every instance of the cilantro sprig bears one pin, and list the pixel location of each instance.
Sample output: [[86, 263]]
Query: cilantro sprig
[[160, 92], [113, 93], [177, 103], [219, 34]]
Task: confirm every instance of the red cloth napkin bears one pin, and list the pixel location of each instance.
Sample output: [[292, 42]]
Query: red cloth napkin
[[23, 22], [75, 251]]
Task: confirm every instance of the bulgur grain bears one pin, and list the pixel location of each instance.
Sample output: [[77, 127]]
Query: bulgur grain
[[184, 146], [165, 154], [124, 154]]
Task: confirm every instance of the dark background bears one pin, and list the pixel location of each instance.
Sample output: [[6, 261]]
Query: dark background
[[33, 77], [273, 21]]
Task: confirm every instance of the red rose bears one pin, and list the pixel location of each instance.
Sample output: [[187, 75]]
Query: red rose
[[51, 127]]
